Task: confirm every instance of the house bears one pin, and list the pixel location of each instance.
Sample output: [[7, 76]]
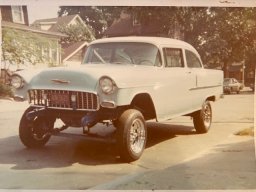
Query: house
[[243, 72], [236, 70], [15, 14], [125, 25], [16, 18], [128, 25], [73, 52]]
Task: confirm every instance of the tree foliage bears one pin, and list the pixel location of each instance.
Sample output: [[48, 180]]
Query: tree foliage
[[222, 35], [98, 18], [230, 35], [5, 90], [75, 33], [20, 47]]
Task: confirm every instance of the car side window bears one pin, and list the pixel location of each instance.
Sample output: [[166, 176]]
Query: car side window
[[192, 60], [173, 57]]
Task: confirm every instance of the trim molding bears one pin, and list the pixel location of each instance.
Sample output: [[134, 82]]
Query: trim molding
[[205, 87]]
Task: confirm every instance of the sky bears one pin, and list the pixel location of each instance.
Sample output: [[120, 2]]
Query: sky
[[41, 12]]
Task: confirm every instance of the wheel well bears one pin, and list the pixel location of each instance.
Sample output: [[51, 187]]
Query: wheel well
[[144, 104], [212, 98]]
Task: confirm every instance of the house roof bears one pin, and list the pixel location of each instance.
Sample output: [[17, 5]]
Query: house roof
[[31, 29], [60, 21], [71, 49], [56, 22]]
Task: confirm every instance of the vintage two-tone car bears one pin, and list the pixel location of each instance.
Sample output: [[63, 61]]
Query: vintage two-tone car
[[124, 81]]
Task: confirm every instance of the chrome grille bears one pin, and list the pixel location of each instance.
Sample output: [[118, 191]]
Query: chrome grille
[[63, 99]]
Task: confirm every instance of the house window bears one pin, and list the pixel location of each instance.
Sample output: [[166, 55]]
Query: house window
[[17, 14]]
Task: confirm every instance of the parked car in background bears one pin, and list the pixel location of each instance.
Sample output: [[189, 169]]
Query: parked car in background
[[231, 85], [125, 82]]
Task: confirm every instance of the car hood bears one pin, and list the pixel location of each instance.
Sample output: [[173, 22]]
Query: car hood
[[27, 74], [86, 76]]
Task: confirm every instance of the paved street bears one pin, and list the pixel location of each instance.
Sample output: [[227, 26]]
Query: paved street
[[79, 163]]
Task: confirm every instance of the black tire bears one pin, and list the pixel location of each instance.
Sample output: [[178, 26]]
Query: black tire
[[35, 133], [131, 123], [115, 123], [202, 119]]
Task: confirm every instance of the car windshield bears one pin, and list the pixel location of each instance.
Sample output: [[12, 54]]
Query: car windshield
[[227, 80], [123, 53]]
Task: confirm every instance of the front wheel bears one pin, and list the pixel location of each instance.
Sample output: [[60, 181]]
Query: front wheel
[[131, 135], [35, 132], [202, 119]]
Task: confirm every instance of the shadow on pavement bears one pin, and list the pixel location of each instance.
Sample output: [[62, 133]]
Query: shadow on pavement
[[63, 152], [159, 132], [227, 166], [241, 93]]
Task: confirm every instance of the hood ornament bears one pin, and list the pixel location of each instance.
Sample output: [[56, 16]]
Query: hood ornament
[[60, 81]]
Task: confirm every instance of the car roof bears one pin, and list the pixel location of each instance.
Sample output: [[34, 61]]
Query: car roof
[[158, 41]]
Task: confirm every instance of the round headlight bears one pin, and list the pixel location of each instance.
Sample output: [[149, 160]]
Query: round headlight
[[107, 85], [16, 81]]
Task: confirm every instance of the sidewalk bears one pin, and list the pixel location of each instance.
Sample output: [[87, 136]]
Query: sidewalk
[[7, 105], [227, 166]]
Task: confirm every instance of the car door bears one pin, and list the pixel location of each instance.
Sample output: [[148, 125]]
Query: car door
[[176, 81], [198, 78]]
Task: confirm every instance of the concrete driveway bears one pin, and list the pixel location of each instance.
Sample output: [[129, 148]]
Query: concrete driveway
[[175, 157]]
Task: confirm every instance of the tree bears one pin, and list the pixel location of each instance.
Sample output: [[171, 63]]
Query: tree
[[76, 32], [20, 47], [222, 35], [98, 18], [230, 35]]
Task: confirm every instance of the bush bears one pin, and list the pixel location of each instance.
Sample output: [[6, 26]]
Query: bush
[[5, 90]]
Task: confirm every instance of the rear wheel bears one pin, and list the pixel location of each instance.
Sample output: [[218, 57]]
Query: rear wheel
[[202, 119], [131, 135], [35, 132]]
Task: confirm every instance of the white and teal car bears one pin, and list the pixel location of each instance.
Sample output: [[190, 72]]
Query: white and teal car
[[124, 81]]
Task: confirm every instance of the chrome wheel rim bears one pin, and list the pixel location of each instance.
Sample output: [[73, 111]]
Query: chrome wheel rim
[[137, 136], [207, 115]]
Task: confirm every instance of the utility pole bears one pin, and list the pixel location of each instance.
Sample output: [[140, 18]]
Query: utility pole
[[243, 74]]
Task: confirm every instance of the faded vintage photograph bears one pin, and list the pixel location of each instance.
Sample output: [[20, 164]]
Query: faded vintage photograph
[[128, 95]]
